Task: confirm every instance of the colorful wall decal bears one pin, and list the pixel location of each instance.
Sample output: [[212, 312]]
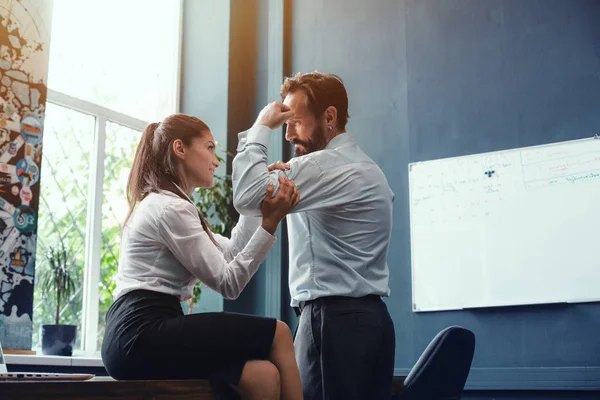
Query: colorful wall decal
[[24, 45]]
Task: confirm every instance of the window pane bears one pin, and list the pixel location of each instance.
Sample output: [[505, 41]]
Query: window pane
[[121, 143], [120, 54], [68, 138]]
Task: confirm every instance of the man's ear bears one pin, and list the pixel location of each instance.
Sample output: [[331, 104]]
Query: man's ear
[[331, 117], [178, 149]]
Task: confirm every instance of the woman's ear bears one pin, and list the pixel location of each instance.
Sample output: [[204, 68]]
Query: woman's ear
[[179, 149]]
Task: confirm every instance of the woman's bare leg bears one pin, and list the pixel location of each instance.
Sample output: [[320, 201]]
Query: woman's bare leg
[[259, 381], [283, 357]]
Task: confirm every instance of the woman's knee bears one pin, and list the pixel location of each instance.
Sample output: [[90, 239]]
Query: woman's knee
[[283, 335], [260, 380]]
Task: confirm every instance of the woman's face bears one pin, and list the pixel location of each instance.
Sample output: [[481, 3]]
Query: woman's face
[[200, 161]]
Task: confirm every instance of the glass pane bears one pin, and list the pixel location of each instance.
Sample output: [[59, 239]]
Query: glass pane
[[123, 56], [120, 146], [68, 139]]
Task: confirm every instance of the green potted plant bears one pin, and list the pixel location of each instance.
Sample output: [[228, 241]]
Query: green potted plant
[[57, 278], [215, 204]]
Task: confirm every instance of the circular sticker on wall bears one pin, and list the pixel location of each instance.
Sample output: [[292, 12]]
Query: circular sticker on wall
[[26, 194], [27, 172], [31, 129], [12, 148], [24, 219]]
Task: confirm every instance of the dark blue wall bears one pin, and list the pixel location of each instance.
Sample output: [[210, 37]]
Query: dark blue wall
[[430, 79]]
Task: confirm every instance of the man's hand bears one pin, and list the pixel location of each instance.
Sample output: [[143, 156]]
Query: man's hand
[[274, 115]]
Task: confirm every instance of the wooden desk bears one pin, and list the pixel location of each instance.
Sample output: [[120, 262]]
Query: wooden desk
[[97, 389], [106, 388]]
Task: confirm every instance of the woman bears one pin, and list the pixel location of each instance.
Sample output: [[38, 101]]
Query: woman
[[166, 248]]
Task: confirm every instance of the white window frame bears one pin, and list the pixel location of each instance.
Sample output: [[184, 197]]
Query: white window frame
[[93, 231], [93, 239]]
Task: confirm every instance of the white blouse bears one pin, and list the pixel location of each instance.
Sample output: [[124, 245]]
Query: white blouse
[[165, 249]]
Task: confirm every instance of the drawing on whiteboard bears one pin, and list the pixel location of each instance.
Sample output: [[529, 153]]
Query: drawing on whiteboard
[[591, 175], [441, 187], [573, 165], [491, 189], [467, 212]]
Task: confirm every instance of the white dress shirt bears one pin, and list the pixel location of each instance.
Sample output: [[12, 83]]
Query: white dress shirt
[[165, 249], [340, 230]]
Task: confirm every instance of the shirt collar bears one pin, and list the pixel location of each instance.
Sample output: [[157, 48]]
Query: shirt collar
[[170, 193], [340, 140], [182, 192]]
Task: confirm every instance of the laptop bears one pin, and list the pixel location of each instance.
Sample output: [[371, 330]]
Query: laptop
[[37, 376]]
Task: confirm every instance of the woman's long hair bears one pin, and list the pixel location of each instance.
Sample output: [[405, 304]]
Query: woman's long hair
[[154, 167]]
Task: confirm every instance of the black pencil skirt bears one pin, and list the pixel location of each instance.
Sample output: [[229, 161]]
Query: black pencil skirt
[[148, 337]]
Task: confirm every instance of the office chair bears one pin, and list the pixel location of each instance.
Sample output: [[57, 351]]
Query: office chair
[[442, 370]]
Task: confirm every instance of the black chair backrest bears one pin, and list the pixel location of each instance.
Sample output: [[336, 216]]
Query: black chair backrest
[[443, 368]]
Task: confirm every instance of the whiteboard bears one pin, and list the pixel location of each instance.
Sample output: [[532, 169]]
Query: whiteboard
[[506, 228]]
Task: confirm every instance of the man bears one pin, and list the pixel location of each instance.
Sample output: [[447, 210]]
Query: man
[[338, 233]]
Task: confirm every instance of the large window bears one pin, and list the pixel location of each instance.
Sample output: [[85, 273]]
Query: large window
[[119, 54], [114, 66]]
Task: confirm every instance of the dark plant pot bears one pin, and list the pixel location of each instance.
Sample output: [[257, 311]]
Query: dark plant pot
[[58, 340]]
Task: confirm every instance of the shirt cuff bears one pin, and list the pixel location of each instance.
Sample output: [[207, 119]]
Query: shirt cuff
[[257, 134], [260, 244], [265, 236]]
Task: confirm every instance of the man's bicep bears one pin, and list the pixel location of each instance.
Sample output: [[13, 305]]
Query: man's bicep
[[248, 199], [311, 182], [250, 180]]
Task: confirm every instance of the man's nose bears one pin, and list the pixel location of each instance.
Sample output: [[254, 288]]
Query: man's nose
[[290, 133]]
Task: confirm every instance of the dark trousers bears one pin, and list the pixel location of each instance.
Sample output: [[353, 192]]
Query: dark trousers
[[345, 348]]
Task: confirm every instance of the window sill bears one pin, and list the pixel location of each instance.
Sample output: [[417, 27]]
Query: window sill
[[22, 359]]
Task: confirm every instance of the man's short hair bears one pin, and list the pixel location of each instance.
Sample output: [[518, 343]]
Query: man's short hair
[[322, 90]]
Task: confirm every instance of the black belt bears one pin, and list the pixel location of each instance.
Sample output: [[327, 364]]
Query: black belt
[[326, 299]]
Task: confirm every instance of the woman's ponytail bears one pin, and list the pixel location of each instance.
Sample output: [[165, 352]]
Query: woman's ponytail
[[142, 177]]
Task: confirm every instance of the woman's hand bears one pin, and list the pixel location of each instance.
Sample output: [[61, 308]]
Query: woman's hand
[[274, 209], [279, 165]]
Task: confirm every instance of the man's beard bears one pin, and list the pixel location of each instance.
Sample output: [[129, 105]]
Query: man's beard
[[316, 142]]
